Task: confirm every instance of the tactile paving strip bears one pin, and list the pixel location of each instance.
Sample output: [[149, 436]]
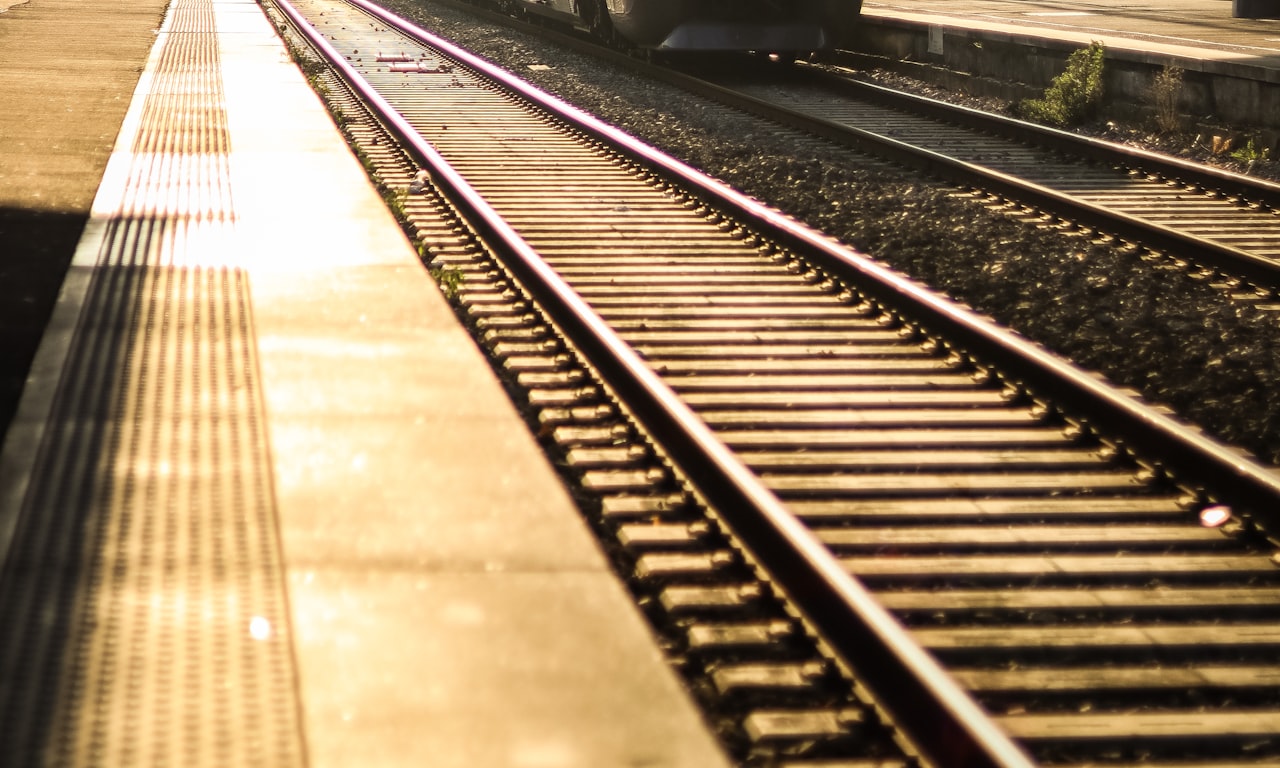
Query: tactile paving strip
[[143, 616]]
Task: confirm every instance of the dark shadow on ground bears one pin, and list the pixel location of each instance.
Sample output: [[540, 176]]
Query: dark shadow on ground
[[35, 250]]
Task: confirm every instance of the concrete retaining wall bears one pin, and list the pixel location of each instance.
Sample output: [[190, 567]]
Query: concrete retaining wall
[[1237, 94]]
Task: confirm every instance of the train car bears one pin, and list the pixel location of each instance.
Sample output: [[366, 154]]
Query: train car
[[786, 27]]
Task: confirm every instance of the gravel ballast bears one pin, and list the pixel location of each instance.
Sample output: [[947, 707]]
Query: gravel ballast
[[1179, 342]]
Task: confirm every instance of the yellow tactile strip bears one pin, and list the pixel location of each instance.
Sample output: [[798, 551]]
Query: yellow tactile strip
[[143, 603]]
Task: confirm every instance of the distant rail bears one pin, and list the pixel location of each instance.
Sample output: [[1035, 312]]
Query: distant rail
[[1092, 184]]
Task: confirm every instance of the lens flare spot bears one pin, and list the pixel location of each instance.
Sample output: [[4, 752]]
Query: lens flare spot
[[259, 628], [1215, 516]]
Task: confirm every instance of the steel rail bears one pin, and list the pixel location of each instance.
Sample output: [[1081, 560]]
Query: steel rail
[[933, 712], [1186, 452], [1260, 271], [1089, 148], [1256, 269]]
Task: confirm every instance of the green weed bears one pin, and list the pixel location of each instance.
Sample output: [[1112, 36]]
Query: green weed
[[449, 278], [1251, 154], [395, 201], [1075, 95]]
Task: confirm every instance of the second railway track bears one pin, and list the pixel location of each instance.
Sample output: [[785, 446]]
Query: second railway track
[[1048, 552], [1214, 220], [1219, 225]]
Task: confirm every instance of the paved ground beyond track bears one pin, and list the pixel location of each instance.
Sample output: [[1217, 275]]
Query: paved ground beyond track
[[264, 502], [1012, 49], [1206, 24]]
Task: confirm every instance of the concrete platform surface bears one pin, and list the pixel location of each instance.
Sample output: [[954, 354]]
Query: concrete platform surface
[[284, 510], [1013, 49], [1207, 25]]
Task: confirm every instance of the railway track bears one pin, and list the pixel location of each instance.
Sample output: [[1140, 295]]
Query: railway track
[[1221, 225], [861, 445]]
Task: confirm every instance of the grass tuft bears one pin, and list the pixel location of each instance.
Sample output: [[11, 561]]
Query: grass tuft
[[1166, 90]]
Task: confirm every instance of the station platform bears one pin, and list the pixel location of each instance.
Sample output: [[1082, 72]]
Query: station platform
[[1014, 48], [263, 501]]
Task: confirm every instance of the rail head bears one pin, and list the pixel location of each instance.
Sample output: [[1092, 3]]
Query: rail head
[[1260, 271], [1097, 150], [1186, 451]]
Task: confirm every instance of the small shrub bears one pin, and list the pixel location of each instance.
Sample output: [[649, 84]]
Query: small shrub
[[1251, 154], [1074, 96], [1165, 92]]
